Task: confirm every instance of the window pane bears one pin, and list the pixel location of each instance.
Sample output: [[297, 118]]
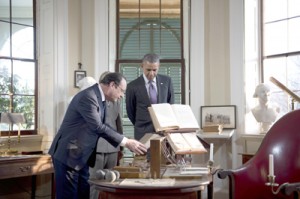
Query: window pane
[[293, 8], [276, 67], [5, 103], [174, 71], [293, 73], [170, 9], [4, 7], [274, 10], [275, 38], [24, 80], [5, 76], [150, 33], [129, 13], [150, 41], [294, 34], [129, 44], [25, 104], [149, 9], [170, 44], [22, 42], [129, 23], [287, 71], [22, 12], [4, 39]]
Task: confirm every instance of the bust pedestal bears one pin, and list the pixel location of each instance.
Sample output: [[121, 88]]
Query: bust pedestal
[[264, 127]]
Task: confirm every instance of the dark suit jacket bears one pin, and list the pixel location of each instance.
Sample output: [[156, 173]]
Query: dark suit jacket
[[75, 142], [137, 102]]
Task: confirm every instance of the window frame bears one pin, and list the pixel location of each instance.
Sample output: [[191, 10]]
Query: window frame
[[119, 62], [264, 57], [35, 62]]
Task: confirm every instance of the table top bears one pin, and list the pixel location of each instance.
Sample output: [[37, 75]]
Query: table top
[[225, 134], [150, 185]]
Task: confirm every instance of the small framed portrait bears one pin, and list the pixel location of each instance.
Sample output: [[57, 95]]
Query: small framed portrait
[[78, 75], [219, 115]]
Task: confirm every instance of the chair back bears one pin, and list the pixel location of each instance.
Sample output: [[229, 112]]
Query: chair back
[[283, 141]]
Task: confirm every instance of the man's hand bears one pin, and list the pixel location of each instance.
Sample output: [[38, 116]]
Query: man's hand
[[136, 147]]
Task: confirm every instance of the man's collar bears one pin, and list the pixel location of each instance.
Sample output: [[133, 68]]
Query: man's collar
[[146, 80], [102, 94]]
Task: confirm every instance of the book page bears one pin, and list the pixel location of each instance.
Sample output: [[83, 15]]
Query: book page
[[178, 143], [163, 117], [193, 141], [185, 116]]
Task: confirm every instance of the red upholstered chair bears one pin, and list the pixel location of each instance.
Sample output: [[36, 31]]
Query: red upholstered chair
[[283, 141]]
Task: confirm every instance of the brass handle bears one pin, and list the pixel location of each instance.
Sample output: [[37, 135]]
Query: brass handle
[[25, 169]]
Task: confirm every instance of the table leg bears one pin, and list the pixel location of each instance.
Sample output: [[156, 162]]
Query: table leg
[[210, 190], [199, 196], [33, 186]]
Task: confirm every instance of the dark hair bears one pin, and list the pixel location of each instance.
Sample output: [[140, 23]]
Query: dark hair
[[151, 58], [112, 77]]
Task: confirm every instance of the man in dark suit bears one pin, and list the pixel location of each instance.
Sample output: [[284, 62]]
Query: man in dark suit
[[138, 95], [106, 154], [73, 148]]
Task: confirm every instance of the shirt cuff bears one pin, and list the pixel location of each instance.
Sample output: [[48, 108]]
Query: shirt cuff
[[124, 141]]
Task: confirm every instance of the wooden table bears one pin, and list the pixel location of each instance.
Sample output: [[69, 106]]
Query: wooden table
[[183, 189], [26, 165]]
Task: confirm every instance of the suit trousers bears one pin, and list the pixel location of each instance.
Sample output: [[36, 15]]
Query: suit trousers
[[70, 183]]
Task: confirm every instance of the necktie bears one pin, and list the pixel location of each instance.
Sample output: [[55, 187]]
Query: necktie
[[152, 93], [103, 111]]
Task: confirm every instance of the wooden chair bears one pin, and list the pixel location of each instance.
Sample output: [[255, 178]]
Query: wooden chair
[[283, 141]]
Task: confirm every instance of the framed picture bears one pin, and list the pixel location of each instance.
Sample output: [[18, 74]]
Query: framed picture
[[78, 75], [216, 115]]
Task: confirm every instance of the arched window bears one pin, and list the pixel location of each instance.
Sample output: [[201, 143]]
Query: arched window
[[154, 26]]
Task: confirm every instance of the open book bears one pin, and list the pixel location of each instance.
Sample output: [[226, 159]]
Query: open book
[[185, 143], [167, 117], [148, 137]]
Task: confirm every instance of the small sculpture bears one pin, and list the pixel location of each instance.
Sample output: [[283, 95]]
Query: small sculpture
[[265, 113]]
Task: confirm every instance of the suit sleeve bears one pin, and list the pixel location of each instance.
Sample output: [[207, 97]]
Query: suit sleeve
[[130, 103], [89, 109], [119, 120], [171, 97]]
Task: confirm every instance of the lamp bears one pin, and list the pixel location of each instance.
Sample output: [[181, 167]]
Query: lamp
[[11, 119]]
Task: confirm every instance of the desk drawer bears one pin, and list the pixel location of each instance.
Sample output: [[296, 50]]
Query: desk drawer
[[19, 167]]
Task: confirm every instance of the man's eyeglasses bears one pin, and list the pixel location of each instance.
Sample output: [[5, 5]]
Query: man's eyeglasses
[[118, 86]]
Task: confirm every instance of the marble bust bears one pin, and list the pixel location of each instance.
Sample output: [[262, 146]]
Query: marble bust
[[265, 113]]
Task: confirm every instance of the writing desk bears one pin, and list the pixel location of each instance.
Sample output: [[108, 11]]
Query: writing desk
[[26, 165], [183, 189]]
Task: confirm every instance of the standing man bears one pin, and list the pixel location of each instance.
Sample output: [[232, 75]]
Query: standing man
[[139, 95], [107, 154], [73, 148]]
